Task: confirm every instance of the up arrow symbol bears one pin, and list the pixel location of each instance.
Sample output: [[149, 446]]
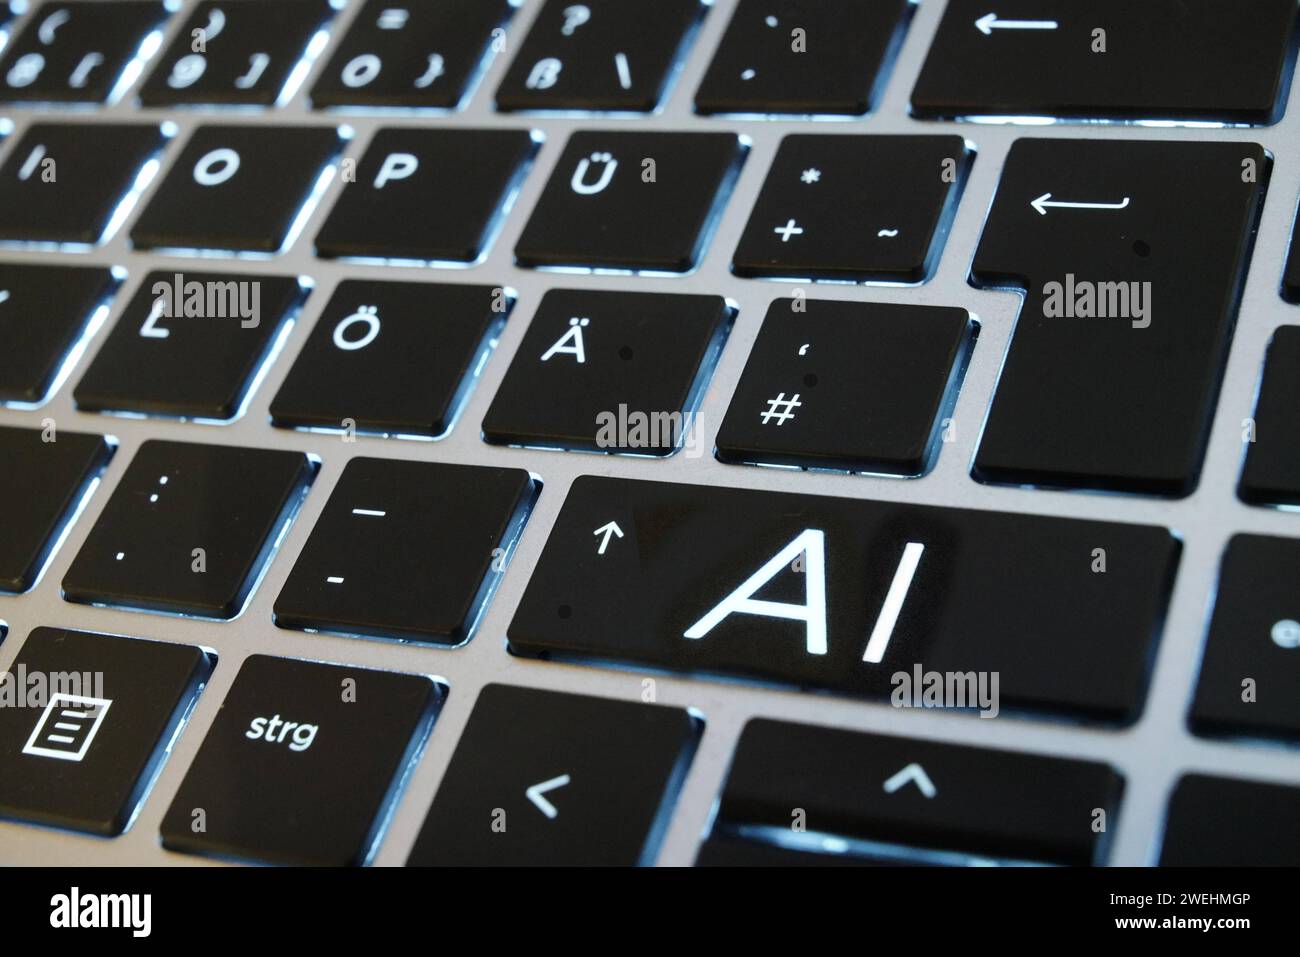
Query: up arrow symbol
[[912, 774]]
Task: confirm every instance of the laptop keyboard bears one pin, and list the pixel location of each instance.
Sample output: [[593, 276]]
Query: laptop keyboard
[[649, 432]]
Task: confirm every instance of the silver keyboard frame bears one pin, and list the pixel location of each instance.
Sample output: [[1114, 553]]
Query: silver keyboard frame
[[1151, 754]]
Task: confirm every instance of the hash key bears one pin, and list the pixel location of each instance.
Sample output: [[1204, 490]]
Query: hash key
[[236, 52], [395, 358], [853, 208], [604, 203], [302, 764], [68, 183], [237, 188], [188, 528], [1132, 255], [1271, 475], [85, 755], [545, 778], [189, 344], [406, 550], [599, 55], [427, 195]]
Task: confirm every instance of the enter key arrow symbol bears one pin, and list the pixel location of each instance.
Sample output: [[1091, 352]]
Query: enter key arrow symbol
[[912, 774], [535, 793], [609, 529], [990, 22], [1045, 202]]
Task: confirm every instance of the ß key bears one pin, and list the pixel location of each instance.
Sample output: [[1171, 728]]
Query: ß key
[[396, 358], [240, 53], [407, 550], [1208, 60], [73, 184], [1271, 475], [188, 528], [915, 800], [190, 344], [1219, 822], [615, 55], [302, 763], [818, 57], [1132, 254], [46, 475], [85, 760], [847, 385], [544, 778], [844, 595], [609, 372], [424, 55], [459, 180], [604, 203], [238, 188], [79, 52]]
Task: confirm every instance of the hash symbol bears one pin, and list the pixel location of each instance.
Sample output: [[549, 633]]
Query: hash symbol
[[773, 404]]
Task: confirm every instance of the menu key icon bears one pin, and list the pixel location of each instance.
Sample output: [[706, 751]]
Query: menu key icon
[[67, 727]]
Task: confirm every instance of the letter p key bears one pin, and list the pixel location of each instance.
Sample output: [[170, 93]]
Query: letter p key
[[396, 166]]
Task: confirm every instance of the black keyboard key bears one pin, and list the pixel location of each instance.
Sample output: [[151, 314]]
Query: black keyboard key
[[460, 180], [70, 183], [609, 372], [847, 385], [801, 56], [1291, 275], [604, 204], [406, 550], [1271, 475], [78, 52], [599, 55], [45, 311], [1213, 60], [247, 53], [1250, 674], [853, 208], [83, 756], [189, 345], [302, 763], [188, 528], [396, 358], [974, 804], [238, 188], [1132, 255], [424, 55], [544, 778], [840, 594], [1218, 822], [46, 474]]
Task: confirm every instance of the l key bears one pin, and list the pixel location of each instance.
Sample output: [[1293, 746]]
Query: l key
[[1132, 255]]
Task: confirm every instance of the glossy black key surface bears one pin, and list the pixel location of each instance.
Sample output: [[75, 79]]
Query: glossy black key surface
[[1132, 255], [545, 778], [1218, 822], [45, 476], [422, 55], [406, 550], [971, 803], [616, 55], [397, 358], [189, 344], [237, 188], [427, 194], [63, 182], [302, 763], [1271, 475], [609, 372], [1250, 674], [801, 56], [1216, 60], [82, 755], [1291, 276], [245, 55], [847, 385], [604, 204], [76, 51], [188, 528], [853, 207], [44, 313], [842, 594]]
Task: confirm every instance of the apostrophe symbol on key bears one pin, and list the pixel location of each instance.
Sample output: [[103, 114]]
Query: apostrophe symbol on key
[[803, 349], [571, 343], [579, 180], [574, 17], [435, 69]]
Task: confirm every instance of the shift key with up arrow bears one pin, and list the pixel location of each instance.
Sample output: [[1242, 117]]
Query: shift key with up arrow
[[1132, 256]]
